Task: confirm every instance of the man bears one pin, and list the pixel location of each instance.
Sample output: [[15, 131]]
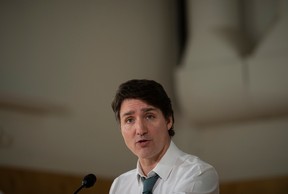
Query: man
[[146, 119]]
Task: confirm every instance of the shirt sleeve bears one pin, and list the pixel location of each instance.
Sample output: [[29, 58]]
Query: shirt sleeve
[[112, 188]]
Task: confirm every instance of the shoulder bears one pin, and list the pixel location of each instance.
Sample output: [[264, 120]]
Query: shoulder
[[194, 165], [201, 174], [124, 181], [188, 160], [127, 176], [185, 163]]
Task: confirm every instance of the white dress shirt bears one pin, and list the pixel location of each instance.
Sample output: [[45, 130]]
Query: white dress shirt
[[179, 173]]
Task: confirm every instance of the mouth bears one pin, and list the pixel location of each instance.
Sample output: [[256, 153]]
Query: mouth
[[142, 141]]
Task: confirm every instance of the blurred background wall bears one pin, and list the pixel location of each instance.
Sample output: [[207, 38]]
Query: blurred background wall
[[223, 63]]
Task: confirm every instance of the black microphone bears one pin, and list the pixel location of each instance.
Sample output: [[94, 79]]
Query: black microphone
[[88, 181]]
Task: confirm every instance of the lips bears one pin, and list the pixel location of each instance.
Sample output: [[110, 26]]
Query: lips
[[141, 141]]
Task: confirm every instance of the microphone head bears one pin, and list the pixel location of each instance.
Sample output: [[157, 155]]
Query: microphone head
[[89, 180]]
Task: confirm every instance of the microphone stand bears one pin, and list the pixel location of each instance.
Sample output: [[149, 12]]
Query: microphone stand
[[79, 189]]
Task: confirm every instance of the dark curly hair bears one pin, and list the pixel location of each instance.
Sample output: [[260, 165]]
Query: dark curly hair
[[148, 91]]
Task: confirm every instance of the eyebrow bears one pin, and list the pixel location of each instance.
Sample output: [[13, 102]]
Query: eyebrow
[[128, 113], [142, 110], [148, 109]]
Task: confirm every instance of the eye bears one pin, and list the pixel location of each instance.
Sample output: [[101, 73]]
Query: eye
[[150, 116], [129, 120]]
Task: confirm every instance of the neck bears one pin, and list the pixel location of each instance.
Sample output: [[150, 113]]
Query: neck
[[148, 164]]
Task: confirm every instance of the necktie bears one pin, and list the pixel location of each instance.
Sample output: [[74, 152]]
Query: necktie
[[149, 184]]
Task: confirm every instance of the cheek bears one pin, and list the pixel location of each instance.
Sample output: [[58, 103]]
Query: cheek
[[127, 135]]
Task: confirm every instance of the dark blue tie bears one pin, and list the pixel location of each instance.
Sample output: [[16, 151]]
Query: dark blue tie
[[149, 184]]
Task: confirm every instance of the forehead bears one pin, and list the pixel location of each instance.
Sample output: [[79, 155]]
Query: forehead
[[134, 105]]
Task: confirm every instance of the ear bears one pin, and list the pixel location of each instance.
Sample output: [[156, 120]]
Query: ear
[[169, 122]]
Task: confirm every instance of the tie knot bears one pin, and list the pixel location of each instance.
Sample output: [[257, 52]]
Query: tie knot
[[149, 183]]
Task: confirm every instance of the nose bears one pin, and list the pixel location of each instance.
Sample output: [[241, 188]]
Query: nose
[[141, 128]]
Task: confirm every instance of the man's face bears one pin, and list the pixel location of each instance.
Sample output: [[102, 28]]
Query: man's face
[[144, 129]]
